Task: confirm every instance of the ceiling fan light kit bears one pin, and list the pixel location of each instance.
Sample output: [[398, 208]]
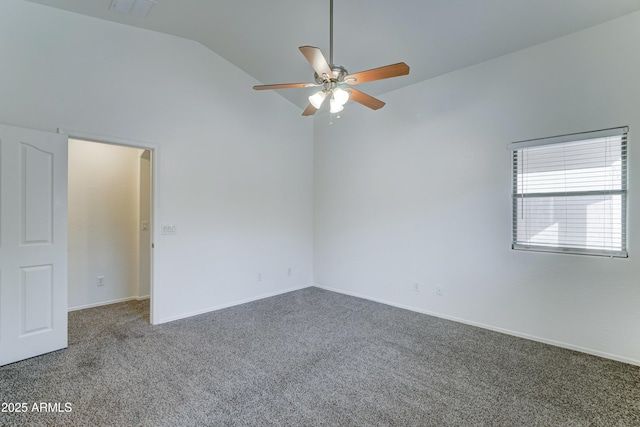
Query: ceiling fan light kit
[[340, 96], [317, 98], [335, 107], [333, 78]]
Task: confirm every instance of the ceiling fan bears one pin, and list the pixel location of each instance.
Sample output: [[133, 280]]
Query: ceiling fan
[[336, 81]]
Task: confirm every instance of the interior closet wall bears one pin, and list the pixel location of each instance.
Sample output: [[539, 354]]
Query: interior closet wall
[[104, 194]]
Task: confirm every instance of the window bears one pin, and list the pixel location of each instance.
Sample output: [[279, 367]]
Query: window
[[570, 193]]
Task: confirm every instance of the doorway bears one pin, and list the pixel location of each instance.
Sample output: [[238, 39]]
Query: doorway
[[110, 223]]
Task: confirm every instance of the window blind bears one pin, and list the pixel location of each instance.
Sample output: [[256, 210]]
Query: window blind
[[570, 193]]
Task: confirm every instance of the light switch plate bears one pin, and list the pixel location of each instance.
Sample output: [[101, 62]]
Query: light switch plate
[[168, 229]]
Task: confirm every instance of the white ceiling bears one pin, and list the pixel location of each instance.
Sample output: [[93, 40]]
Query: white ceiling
[[433, 37]]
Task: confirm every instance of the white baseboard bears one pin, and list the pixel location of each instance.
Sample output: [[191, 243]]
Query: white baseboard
[[489, 327], [144, 297], [220, 307], [101, 303]]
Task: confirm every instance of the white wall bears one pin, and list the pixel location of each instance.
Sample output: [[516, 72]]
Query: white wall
[[420, 191], [233, 165], [103, 223]]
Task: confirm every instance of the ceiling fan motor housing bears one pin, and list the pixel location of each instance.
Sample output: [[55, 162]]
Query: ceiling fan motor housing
[[339, 73]]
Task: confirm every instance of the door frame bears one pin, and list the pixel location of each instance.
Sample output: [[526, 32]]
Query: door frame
[[144, 145]]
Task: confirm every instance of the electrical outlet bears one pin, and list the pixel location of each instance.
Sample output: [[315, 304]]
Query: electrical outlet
[[289, 271], [439, 290], [416, 287], [259, 277], [100, 281]]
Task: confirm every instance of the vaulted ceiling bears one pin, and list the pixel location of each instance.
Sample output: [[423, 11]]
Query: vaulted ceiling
[[433, 37]]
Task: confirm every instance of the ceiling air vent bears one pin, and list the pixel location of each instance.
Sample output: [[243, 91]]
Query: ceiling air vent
[[139, 8]]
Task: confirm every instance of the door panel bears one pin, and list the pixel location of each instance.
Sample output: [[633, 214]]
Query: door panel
[[36, 306], [36, 193], [33, 243]]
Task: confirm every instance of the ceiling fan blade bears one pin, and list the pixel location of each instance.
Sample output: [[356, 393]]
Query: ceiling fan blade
[[309, 111], [393, 70], [366, 100], [317, 60], [285, 86]]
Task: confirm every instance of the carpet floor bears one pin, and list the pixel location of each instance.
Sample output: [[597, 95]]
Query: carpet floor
[[310, 358]]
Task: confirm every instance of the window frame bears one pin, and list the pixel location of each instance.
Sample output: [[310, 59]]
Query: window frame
[[517, 196]]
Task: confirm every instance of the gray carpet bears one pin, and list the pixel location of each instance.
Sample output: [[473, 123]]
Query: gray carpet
[[312, 358]]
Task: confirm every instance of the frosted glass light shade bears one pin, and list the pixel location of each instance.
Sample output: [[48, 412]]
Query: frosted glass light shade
[[340, 96], [317, 98], [335, 107]]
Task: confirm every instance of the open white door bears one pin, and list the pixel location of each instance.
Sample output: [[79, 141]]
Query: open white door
[[33, 243]]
